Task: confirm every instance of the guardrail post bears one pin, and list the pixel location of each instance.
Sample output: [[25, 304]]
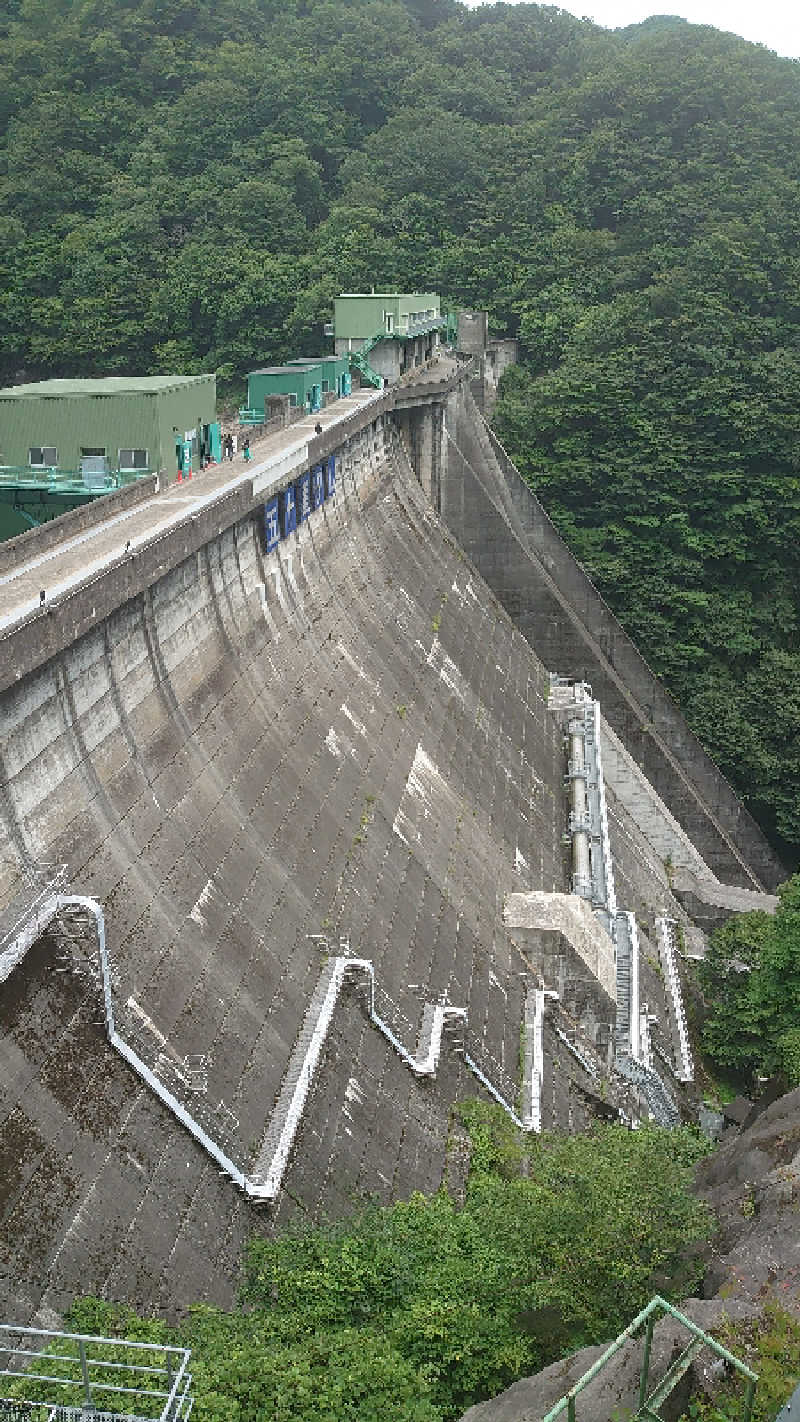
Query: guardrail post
[[648, 1339], [87, 1386], [748, 1400], [170, 1412]]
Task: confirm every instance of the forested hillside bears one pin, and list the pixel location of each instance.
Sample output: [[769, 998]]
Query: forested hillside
[[185, 186]]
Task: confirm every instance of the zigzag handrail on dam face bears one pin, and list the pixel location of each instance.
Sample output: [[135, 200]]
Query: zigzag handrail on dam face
[[264, 1183]]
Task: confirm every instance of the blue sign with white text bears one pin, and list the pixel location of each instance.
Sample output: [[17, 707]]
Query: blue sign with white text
[[317, 487], [272, 528], [303, 497], [284, 513], [288, 511]]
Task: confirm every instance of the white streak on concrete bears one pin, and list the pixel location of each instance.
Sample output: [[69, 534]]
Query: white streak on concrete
[[354, 722], [356, 666], [196, 914]]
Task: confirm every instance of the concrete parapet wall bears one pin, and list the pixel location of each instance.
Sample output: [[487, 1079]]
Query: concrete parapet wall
[[37, 541]]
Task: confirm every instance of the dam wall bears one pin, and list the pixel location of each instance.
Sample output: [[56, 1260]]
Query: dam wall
[[255, 761], [261, 763]]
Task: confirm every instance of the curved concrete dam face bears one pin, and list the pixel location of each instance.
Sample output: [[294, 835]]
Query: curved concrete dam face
[[263, 761]]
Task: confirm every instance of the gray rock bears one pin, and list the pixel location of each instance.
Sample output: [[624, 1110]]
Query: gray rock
[[614, 1393]]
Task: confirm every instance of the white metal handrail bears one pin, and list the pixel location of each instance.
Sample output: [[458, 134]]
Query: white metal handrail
[[159, 1392], [666, 931], [264, 1182]]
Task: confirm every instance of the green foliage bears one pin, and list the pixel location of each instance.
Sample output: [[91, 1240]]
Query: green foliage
[[417, 1310], [770, 1345], [111, 1365], [751, 980]]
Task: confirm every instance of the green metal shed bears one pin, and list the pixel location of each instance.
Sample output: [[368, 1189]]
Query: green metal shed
[[302, 382], [107, 431], [335, 372]]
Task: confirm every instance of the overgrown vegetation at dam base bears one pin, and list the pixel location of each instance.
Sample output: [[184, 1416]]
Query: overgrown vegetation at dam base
[[416, 1310]]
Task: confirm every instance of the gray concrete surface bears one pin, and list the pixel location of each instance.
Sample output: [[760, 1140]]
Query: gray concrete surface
[[239, 755], [348, 737]]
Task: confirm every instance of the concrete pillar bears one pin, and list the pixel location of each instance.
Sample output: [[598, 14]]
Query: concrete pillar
[[424, 431]]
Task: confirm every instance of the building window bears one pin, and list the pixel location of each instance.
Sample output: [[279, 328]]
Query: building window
[[325, 387], [389, 321], [293, 400], [132, 459], [42, 457]]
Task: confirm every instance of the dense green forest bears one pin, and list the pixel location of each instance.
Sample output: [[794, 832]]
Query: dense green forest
[[751, 981], [185, 186]]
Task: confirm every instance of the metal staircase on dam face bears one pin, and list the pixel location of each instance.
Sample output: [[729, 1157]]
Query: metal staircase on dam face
[[593, 879]]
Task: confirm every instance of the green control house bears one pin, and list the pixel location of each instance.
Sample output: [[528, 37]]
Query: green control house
[[385, 334], [334, 374], [63, 442]]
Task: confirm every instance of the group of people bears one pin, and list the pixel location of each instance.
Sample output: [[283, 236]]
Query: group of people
[[230, 446]]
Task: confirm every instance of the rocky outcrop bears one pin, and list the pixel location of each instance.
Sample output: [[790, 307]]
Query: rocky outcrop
[[614, 1393], [753, 1184]]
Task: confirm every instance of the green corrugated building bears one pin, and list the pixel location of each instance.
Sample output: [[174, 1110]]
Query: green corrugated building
[[300, 380], [65, 442], [100, 429], [334, 373]]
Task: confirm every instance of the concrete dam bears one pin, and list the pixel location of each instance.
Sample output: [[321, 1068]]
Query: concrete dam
[[302, 843]]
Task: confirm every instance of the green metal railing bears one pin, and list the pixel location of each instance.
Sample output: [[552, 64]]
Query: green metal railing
[[651, 1400], [65, 481], [358, 359]]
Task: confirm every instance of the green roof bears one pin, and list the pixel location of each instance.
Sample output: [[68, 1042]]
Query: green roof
[[108, 385]]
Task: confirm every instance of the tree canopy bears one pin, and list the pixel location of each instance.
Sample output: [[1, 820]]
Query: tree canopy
[[751, 980], [186, 186]]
